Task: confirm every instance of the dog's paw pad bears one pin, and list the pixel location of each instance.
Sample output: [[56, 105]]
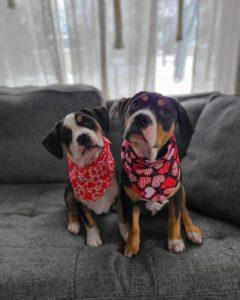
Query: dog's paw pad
[[176, 246], [194, 237], [123, 227], [93, 237], [74, 227]]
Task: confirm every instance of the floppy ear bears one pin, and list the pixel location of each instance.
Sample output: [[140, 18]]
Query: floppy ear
[[52, 141], [185, 125], [121, 106], [101, 115]]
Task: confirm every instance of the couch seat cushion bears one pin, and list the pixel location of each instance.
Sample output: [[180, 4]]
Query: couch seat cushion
[[39, 259]]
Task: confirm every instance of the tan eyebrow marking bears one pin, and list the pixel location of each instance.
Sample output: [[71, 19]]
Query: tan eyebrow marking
[[144, 98], [161, 102], [79, 118]]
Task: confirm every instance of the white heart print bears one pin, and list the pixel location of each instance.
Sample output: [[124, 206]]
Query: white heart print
[[149, 191]]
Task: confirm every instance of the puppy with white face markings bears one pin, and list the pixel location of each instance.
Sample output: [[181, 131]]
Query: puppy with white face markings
[[151, 171], [92, 186]]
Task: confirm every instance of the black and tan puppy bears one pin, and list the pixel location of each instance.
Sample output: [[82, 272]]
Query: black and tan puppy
[[92, 184], [151, 173]]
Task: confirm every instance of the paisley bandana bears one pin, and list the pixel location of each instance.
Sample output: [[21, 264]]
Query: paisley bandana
[[91, 181], [156, 180]]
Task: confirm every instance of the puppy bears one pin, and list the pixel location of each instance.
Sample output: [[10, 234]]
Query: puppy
[[151, 173], [92, 186]]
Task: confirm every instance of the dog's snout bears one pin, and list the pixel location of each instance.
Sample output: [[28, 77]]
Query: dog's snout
[[142, 120], [84, 140]]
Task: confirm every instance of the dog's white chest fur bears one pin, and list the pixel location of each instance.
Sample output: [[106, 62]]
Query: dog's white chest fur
[[103, 204], [154, 207]]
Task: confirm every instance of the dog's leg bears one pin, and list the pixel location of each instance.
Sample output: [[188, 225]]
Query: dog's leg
[[175, 241], [93, 235], [122, 223], [132, 245], [192, 231], [72, 211]]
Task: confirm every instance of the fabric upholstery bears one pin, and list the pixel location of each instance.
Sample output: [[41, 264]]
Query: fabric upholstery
[[211, 167], [194, 106], [26, 115], [39, 259]]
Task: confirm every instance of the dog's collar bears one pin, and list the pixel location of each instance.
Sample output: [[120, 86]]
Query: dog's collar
[[152, 180], [90, 182]]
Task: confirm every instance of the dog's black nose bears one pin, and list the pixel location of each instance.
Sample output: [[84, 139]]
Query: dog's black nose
[[84, 140], [142, 121], [139, 123]]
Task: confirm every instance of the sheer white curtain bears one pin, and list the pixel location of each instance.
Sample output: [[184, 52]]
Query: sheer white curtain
[[72, 41], [93, 57], [60, 41], [217, 46], [44, 42], [23, 44]]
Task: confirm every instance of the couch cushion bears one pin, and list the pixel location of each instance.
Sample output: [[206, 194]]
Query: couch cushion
[[26, 115], [194, 106], [39, 259], [211, 167]]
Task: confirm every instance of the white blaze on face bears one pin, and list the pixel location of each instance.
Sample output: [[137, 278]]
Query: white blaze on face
[[150, 132], [75, 148]]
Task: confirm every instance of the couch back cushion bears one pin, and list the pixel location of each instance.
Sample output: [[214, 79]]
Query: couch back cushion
[[194, 107], [26, 115], [211, 167]]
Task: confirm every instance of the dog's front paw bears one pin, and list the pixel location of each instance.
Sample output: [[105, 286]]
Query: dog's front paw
[[132, 246], [176, 246], [194, 235], [93, 236], [131, 249], [124, 229], [74, 227]]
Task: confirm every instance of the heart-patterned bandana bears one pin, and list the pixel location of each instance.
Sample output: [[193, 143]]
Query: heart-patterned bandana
[[91, 181], [152, 180]]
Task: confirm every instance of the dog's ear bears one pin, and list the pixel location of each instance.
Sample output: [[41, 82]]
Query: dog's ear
[[121, 107], [101, 115], [52, 141], [185, 125]]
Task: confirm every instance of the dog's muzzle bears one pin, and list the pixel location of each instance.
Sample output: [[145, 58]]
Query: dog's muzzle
[[138, 124], [84, 140]]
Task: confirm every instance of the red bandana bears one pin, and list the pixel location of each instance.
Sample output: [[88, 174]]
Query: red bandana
[[152, 180], [90, 182]]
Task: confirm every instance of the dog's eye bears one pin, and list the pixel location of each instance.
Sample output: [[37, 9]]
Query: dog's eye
[[89, 123], [135, 105], [166, 111]]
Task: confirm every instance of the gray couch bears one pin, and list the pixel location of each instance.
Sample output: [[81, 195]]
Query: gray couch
[[39, 259]]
